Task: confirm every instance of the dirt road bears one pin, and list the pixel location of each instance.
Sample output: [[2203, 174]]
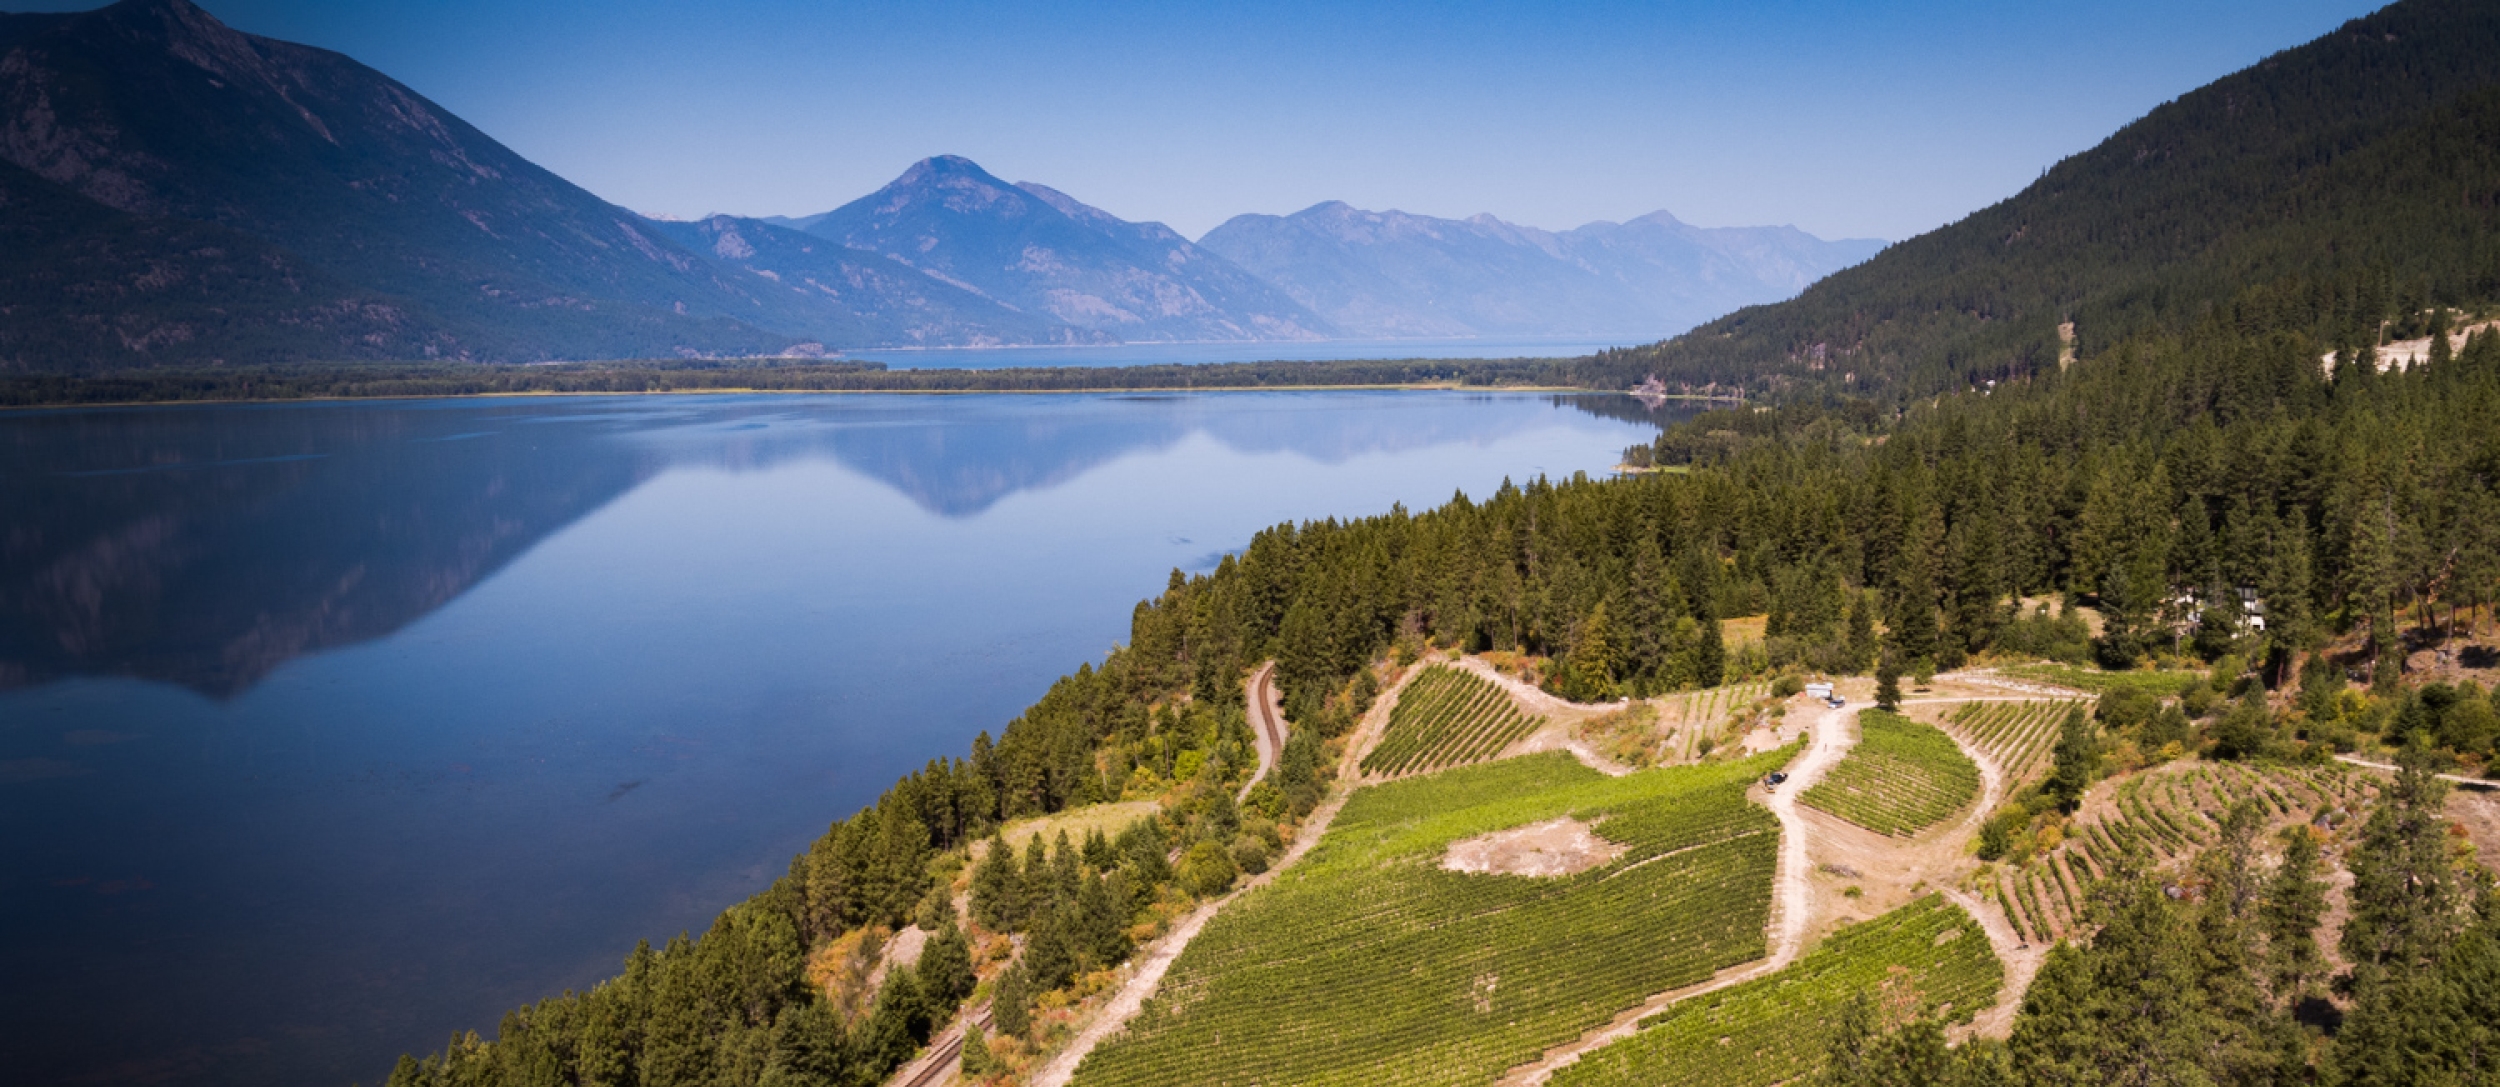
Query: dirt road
[[1792, 901], [1148, 968], [1267, 724], [2480, 784]]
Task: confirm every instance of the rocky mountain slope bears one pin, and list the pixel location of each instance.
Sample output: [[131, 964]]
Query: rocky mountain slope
[[1386, 274]]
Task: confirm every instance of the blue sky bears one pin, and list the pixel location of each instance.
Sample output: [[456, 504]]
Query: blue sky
[[1877, 119]]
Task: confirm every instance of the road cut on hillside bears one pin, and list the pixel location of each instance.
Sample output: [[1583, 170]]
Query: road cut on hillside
[[1267, 725]]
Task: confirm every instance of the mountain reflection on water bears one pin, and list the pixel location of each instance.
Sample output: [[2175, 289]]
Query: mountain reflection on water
[[207, 546], [328, 729]]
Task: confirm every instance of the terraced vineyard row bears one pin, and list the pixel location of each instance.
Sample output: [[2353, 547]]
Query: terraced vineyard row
[[1369, 963], [1777, 1029], [2019, 735], [1693, 714], [1447, 717], [2161, 816], [1901, 778]]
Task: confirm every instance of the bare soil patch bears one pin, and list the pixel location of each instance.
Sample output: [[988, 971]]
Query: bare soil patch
[[1556, 847]]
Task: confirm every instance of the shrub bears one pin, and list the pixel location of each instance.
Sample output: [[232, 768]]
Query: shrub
[[1207, 869]]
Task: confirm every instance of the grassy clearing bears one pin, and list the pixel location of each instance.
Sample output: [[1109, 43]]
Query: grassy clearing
[[1447, 717], [1776, 1029], [1369, 964], [1901, 778], [1110, 819]]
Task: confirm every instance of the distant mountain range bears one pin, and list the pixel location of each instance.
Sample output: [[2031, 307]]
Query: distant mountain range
[[1391, 274], [173, 191]]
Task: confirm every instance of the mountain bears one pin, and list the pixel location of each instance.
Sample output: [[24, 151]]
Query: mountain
[[1043, 252], [1390, 274], [2349, 178], [204, 195], [881, 301]]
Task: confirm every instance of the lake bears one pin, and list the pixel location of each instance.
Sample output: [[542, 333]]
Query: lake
[[1158, 354], [329, 729]]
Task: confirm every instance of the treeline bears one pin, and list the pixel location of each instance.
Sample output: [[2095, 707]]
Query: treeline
[[2216, 975], [2364, 165], [357, 380]]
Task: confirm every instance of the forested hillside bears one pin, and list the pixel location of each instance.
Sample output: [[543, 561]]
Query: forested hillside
[[2360, 172], [2171, 468]]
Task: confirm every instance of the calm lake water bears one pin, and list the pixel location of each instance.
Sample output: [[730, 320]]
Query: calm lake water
[[1154, 354], [327, 730]]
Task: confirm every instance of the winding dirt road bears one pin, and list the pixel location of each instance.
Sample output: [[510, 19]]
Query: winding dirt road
[[1267, 725]]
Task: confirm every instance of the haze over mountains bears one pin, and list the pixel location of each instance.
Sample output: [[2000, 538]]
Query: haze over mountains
[[176, 191], [1391, 274]]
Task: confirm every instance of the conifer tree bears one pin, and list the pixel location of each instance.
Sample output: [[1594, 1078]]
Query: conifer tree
[[2074, 762], [2294, 903]]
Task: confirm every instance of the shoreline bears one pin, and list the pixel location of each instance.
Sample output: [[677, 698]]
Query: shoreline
[[1090, 390]]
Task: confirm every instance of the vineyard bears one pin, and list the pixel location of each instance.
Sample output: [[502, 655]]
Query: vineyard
[[2157, 817], [1447, 717], [1776, 1029], [1369, 963], [2018, 735], [1901, 778], [1695, 715]]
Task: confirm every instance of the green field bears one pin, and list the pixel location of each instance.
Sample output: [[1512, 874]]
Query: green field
[[1775, 1029], [1447, 717], [1901, 778], [1370, 964]]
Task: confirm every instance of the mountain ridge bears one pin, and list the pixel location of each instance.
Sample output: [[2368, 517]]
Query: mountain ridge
[[1041, 251], [1394, 273]]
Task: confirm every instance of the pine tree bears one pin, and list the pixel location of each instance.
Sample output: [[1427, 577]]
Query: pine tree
[[1887, 683], [1710, 653], [2074, 762], [2404, 895], [1593, 658], [976, 1052], [1861, 633], [1011, 1003], [998, 897], [945, 967], [2294, 904]]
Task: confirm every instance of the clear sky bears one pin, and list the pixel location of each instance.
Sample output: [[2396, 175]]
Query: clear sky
[[1867, 119]]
